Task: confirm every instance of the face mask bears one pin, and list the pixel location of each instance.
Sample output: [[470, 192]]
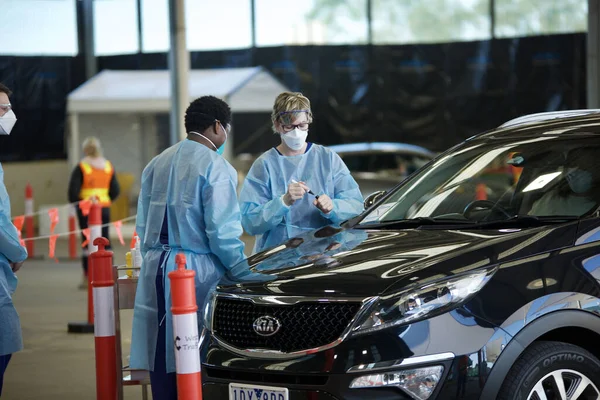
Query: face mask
[[295, 139], [7, 121], [221, 148], [580, 181]]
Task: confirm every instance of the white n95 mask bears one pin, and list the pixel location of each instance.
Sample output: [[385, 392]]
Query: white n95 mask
[[295, 139], [7, 122]]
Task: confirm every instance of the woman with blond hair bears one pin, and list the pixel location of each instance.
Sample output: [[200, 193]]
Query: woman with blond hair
[[93, 177], [297, 186]]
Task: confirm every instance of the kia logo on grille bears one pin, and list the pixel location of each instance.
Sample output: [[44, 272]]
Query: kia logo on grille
[[266, 325]]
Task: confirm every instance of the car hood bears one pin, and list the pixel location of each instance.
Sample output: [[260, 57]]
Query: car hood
[[356, 262]]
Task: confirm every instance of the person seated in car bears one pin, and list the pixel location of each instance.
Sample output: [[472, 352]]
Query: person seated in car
[[576, 193]]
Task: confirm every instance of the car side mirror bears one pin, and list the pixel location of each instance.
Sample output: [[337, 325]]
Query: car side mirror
[[373, 197]]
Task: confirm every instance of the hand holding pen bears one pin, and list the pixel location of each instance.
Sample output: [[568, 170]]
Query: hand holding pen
[[322, 202], [296, 191]]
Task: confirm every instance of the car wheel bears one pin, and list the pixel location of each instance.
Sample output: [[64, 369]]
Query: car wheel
[[553, 370]]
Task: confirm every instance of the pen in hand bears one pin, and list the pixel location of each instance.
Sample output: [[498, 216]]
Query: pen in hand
[[309, 191]]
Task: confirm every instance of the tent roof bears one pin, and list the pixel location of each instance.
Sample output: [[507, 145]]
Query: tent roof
[[246, 89]]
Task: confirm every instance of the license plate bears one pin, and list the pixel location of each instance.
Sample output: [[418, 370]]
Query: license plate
[[239, 391]]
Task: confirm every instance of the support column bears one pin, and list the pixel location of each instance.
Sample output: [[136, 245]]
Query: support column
[[593, 49], [179, 64]]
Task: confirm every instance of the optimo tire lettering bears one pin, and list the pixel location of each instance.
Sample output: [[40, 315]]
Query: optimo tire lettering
[[563, 357]]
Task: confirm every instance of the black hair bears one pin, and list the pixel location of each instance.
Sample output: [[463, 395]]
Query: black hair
[[203, 112], [5, 89]]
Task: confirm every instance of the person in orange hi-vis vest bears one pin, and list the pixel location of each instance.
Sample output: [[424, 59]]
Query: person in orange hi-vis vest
[[93, 177]]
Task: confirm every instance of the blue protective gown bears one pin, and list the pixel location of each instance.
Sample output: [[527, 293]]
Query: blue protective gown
[[197, 188], [265, 214], [10, 251]]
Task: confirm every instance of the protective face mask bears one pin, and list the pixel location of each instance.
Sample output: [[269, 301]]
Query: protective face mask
[[580, 181], [295, 139], [221, 148], [7, 122]]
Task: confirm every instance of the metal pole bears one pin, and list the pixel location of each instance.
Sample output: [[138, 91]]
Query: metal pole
[[91, 66], [179, 64], [593, 47], [253, 21], [74, 142], [492, 19], [369, 22], [140, 32]]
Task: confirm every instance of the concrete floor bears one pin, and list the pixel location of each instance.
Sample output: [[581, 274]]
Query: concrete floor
[[55, 364]]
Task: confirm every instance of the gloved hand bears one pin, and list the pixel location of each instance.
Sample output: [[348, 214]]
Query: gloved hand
[[295, 192], [16, 266], [324, 203]]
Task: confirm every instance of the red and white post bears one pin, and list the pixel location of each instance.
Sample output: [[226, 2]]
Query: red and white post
[[185, 331], [104, 316], [72, 233], [95, 226], [29, 229]]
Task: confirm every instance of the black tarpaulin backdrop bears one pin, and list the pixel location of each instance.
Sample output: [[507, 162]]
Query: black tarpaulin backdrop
[[430, 95]]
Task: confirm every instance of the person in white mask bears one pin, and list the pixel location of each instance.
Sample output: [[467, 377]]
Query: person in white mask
[[297, 186], [12, 255]]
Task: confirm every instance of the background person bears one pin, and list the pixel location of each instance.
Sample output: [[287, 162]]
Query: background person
[[94, 176]]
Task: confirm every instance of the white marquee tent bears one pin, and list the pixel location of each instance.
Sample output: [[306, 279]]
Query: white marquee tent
[[121, 108]]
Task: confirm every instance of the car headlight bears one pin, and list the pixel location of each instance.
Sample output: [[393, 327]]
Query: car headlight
[[209, 308], [420, 302]]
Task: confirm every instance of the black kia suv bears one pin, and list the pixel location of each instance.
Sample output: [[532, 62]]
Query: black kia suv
[[477, 277]]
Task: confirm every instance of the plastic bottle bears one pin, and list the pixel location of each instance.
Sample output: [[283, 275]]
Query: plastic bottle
[[137, 261], [129, 265]]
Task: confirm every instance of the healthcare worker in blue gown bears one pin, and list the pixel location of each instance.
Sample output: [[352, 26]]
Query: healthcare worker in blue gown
[[275, 201], [187, 204], [12, 255]]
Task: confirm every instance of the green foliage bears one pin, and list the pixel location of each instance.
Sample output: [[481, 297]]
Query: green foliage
[[418, 21]]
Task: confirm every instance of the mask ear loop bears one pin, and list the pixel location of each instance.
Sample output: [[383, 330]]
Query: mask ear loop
[[199, 134]]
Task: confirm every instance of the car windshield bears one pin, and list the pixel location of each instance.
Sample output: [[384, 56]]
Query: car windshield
[[546, 176]]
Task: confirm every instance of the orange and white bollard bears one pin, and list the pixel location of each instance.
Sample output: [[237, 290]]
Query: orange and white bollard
[[72, 234], [95, 226], [481, 192], [104, 316], [29, 234], [185, 331]]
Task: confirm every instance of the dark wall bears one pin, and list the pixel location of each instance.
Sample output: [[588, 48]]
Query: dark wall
[[431, 95]]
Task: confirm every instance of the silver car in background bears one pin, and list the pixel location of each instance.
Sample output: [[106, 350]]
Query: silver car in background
[[379, 166]]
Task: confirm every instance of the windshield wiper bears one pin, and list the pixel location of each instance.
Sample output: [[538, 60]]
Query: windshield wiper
[[524, 221], [415, 223]]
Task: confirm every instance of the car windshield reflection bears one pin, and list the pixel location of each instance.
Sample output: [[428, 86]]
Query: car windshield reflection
[[498, 181]]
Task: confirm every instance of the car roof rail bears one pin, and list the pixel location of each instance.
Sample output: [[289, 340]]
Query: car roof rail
[[546, 116]]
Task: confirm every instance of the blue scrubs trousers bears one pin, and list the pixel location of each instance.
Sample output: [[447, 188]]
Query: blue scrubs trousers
[[3, 364], [163, 384]]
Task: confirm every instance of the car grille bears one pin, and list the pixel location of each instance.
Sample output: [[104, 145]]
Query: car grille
[[303, 326]]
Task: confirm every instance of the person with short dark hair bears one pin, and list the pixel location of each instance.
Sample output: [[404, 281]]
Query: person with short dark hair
[[187, 204], [12, 254]]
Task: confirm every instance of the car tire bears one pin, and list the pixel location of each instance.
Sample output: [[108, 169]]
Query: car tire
[[544, 364]]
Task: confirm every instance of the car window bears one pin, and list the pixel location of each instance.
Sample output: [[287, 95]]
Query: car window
[[545, 176], [384, 163], [357, 162]]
